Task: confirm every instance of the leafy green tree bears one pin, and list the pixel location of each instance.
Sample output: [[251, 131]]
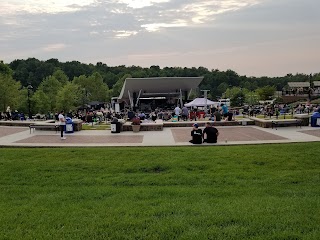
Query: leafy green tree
[[251, 97], [238, 99], [266, 92], [5, 69], [68, 97], [222, 88], [61, 76], [9, 92], [116, 89], [41, 102], [50, 86], [232, 92], [96, 89]]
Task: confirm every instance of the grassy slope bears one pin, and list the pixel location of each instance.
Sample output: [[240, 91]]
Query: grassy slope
[[239, 192]]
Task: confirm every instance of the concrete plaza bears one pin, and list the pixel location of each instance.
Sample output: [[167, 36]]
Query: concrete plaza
[[178, 136]]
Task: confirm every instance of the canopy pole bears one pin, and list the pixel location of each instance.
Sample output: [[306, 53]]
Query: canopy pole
[[189, 94], [131, 100], [138, 98], [181, 103], [206, 100]]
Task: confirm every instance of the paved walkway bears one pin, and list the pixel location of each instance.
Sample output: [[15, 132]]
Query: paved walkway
[[20, 136]]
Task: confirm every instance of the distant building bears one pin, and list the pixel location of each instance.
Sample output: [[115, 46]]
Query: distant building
[[298, 88], [316, 87]]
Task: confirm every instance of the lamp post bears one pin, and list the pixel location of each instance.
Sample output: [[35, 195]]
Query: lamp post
[[206, 98], [29, 87]]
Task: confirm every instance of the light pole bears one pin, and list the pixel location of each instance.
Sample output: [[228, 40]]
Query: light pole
[[29, 87], [206, 98]]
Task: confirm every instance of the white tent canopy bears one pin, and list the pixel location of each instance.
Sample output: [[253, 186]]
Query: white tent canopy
[[201, 102]]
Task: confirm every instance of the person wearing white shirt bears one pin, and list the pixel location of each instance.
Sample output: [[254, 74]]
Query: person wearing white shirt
[[62, 123], [177, 112]]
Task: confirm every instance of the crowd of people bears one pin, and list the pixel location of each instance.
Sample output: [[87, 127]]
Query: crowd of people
[[9, 115], [270, 110]]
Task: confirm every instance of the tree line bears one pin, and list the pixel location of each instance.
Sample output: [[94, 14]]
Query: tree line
[[68, 85]]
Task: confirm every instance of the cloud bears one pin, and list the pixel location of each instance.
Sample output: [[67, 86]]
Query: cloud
[[212, 33], [13, 7], [54, 47], [124, 33], [153, 27], [120, 15], [141, 3]]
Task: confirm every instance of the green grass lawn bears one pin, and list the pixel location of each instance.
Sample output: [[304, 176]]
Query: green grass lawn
[[96, 127], [225, 192]]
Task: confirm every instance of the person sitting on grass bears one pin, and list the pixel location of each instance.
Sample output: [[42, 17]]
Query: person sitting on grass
[[211, 133], [196, 134]]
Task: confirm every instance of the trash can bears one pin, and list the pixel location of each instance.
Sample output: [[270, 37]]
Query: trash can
[[115, 126], [69, 125], [315, 121]]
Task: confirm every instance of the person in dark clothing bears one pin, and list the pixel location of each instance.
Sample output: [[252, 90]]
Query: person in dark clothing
[[230, 116], [196, 134], [217, 115], [211, 132]]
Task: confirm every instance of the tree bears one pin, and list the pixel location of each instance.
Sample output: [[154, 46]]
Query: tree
[[40, 102], [61, 76], [68, 97], [5, 69], [9, 92], [95, 87], [232, 92], [51, 86], [237, 100], [251, 97], [116, 89], [222, 88], [266, 92]]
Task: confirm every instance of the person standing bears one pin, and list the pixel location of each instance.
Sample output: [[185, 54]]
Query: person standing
[[185, 113], [211, 132], [177, 112], [8, 113], [224, 109], [62, 123], [196, 134]]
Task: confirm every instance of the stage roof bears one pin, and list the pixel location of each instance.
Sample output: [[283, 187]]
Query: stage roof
[[158, 85]]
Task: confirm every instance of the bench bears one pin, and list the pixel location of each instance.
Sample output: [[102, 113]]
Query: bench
[[39, 126], [285, 123]]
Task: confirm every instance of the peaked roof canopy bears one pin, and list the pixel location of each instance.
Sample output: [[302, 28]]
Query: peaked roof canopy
[[316, 83], [299, 84], [201, 102], [158, 85]]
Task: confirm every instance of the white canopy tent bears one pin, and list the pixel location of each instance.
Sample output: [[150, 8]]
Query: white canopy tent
[[201, 102]]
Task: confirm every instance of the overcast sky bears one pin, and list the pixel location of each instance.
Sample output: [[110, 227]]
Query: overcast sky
[[251, 37]]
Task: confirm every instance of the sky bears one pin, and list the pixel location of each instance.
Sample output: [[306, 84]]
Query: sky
[[251, 37]]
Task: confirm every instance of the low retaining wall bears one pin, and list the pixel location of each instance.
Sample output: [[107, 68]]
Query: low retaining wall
[[16, 123], [305, 119], [77, 124], [203, 123], [144, 126], [268, 123], [158, 126]]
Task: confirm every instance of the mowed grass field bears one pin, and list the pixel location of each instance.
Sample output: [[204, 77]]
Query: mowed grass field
[[218, 192]]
